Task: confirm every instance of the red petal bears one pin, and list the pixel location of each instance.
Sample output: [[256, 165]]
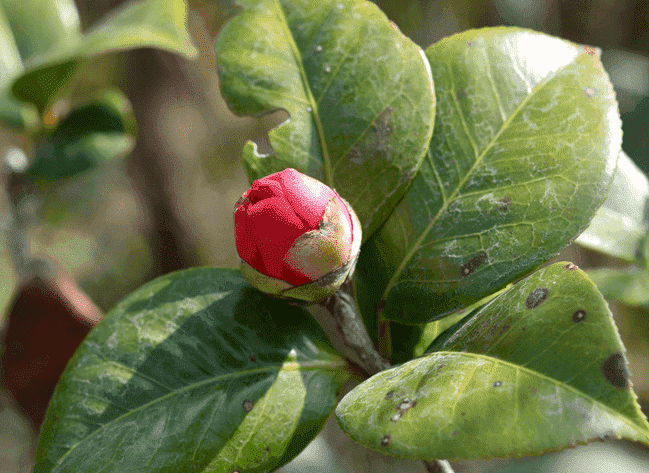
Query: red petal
[[244, 234], [264, 188], [308, 197], [275, 229]]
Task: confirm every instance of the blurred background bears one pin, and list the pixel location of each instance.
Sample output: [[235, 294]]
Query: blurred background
[[168, 204]]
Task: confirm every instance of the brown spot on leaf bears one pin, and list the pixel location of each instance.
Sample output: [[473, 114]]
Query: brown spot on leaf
[[247, 406], [252, 358], [505, 202], [375, 143], [536, 298], [579, 316], [385, 440], [571, 267], [473, 264], [389, 394], [590, 92], [497, 384], [405, 405], [615, 371]]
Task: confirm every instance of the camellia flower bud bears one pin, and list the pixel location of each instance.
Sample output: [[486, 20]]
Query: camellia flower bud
[[296, 237]]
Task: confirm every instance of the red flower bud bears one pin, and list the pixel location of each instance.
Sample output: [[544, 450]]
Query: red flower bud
[[292, 230]]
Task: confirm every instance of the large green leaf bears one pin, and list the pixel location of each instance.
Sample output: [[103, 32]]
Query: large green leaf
[[142, 24], [540, 368], [630, 287], [525, 143], [195, 371], [620, 225], [11, 65], [42, 26], [359, 94], [95, 132]]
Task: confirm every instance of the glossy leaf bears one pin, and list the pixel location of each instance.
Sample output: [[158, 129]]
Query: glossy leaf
[[540, 368], [151, 23], [358, 92], [195, 371], [619, 226], [523, 153], [42, 26], [101, 130], [11, 65], [630, 287]]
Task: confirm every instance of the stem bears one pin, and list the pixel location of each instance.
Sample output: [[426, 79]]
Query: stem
[[339, 317], [385, 337], [438, 466]]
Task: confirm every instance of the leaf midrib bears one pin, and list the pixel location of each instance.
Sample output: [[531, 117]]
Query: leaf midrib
[[326, 159], [452, 197], [290, 366]]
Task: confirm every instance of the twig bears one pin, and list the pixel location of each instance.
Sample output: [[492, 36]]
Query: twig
[[339, 317], [438, 466]]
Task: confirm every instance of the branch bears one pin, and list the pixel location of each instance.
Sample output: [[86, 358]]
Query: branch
[[438, 466], [339, 317]]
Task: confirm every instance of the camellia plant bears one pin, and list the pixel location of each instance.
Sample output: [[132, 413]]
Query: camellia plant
[[393, 237]]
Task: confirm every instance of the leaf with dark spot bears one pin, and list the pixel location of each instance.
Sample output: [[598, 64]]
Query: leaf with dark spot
[[473, 264], [519, 162], [520, 392], [536, 298], [579, 316], [615, 371]]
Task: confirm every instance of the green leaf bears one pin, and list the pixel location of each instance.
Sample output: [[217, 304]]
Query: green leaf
[[432, 330], [150, 23], [42, 26], [98, 131], [11, 65], [630, 287], [539, 368], [359, 94], [195, 371], [619, 226], [523, 153]]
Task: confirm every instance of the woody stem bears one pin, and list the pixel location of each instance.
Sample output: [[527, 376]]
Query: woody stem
[[339, 317]]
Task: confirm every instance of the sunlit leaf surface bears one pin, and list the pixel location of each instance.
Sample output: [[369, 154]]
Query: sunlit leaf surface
[[526, 138], [195, 371], [358, 92], [540, 368]]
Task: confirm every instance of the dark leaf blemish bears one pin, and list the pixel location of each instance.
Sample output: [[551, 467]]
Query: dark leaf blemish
[[579, 316], [504, 204], [389, 395], [571, 266], [472, 264], [536, 297], [615, 371], [247, 406], [385, 440]]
